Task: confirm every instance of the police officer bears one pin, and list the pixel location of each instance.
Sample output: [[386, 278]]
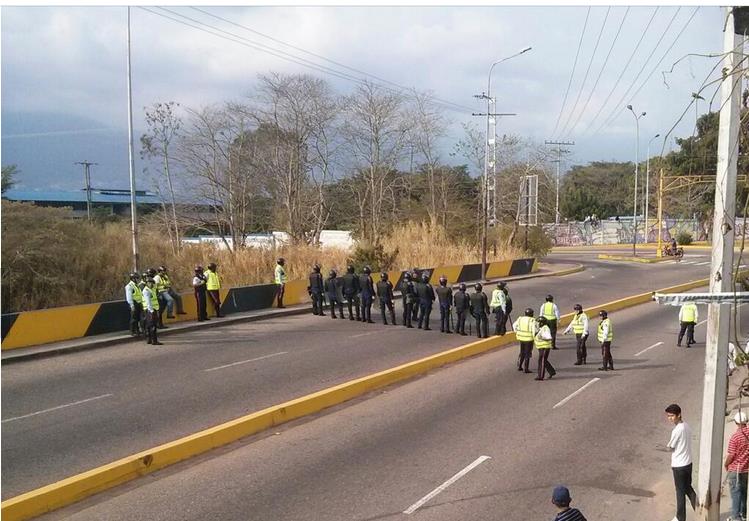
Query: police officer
[[508, 306], [331, 291], [280, 279], [151, 274], [688, 316], [605, 336], [134, 298], [201, 295], [426, 298], [497, 307], [462, 303], [542, 340], [366, 285], [408, 297], [151, 300], [550, 312], [315, 290], [213, 287], [479, 305], [385, 296], [351, 292], [445, 295], [579, 325], [167, 293], [415, 310], [525, 331]]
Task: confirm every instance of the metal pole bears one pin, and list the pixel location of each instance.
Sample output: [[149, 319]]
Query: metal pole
[[133, 203], [659, 249], [718, 315], [556, 206], [637, 162], [647, 189]]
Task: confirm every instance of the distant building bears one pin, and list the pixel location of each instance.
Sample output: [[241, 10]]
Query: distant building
[[328, 239], [111, 201]]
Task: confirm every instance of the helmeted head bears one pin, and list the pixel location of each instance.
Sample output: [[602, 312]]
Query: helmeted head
[[151, 272], [542, 321], [332, 274], [316, 268], [549, 298], [528, 312], [212, 266], [578, 308], [462, 286], [367, 270], [603, 313], [414, 274], [198, 269], [350, 268], [162, 269], [425, 277], [134, 276], [407, 276], [150, 282], [501, 284], [443, 280], [280, 261], [144, 277], [384, 275], [478, 287]]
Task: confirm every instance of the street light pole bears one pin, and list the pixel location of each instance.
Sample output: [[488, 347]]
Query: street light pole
[[647, 187], [637, 163], [131, 157]]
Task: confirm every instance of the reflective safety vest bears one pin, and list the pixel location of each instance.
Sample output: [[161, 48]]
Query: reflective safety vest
[[165, 282], [610, 335], [548, 311], [578, 323], [542, 343], [212, 282], [160, 284], [689, 312], [280, 274], [525, 330], [137, 295], [498, 299], [154, 298]]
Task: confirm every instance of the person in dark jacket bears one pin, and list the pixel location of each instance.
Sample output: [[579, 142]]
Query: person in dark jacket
[[316, 291], [508, 306], [445, 295], [331, 291], [201, 295], [415, 277], [408, 296], [385, 296], [366, 285], [462, 303], [351, 292], [479, 306], [426, 297]]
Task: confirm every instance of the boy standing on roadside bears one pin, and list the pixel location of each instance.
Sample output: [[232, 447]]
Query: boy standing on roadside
[[680, 446], [561, 499]]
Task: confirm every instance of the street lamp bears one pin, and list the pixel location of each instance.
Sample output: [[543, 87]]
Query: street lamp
[[647, 187], [489, 115], [637, 161]]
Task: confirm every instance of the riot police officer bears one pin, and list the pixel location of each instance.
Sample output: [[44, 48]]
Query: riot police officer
[[408, 296], [426, 297], [479, 306], [331, 291], [445, 295], [366, 284], [415, 280], [134, 298], [461, 301], [351, 292], [385, 296], [315, 290]]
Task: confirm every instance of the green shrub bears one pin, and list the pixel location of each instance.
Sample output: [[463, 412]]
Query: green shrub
[[374, 256], [684, 238]]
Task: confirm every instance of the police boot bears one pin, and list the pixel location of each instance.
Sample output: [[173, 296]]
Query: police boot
[[392, 318]]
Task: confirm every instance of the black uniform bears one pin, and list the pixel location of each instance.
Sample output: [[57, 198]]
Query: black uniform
[[415, 308], [315, 289], [331, 291], [408, 294], [508, 309], [426, 296], [462, 303], [385, 296], [479, 306], [445, 295], [351, 294], [366, 284]]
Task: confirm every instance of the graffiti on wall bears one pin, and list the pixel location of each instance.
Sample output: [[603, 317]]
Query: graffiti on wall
[[576, 233]]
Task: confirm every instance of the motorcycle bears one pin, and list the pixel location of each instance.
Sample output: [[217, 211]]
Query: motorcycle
[[669, 252]]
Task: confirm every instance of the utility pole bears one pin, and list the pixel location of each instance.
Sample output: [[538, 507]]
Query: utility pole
[[87, 176], [558, 162], [721, 280], [133, 202]]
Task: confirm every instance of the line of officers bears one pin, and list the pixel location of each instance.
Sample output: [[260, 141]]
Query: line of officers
[[359, 291]]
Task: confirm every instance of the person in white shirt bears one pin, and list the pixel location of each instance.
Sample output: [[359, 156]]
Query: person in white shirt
[[580, 327], [680, 446]]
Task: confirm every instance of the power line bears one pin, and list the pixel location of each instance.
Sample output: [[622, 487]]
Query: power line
[[626, 66], [618, 105], [574, 66], [587, 71], [603, 68]]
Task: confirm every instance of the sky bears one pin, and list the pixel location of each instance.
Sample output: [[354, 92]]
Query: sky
[[63, 72]]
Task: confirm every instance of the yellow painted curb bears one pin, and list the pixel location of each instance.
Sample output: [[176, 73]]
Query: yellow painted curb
[[560, 273], [80, 486], [645, 260]]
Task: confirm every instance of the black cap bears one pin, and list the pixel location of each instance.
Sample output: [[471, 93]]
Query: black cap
[[528, 312], [384, 275], [478, 286], [549, 298]]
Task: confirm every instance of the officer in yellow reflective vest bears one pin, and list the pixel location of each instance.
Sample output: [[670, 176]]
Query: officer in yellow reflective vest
[[605, 336], [213, 287], [550, 312], [151, 301], [688, 316], [497, 306], [134, 299], [579, 325], [525, 329], [542, 340], [280, 279]]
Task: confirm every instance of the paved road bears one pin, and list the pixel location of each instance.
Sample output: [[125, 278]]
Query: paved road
[[68, 414], [379, 456]]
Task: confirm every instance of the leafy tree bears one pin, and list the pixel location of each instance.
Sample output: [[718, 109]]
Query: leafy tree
[[9, 172], [601, 188]]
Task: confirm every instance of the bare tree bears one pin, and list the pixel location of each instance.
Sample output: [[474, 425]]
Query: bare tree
[[472, 148]]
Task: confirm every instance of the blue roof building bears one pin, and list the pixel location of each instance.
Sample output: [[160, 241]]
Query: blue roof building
[[115, 201]]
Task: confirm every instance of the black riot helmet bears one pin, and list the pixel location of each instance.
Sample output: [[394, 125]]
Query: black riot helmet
[[151, 272], [367, 270], [478, 287], [162, 269], [212, 266], [425, 277], [332, 274], [578, 308], [316, 268], [280, 261], [603, 313], [542, 321], [384, 275], [549, 298], [407, 276], [443, 281], [462, 286], [501, 284], [198, 269], [135, 277], [528, 312], [350, 268]]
